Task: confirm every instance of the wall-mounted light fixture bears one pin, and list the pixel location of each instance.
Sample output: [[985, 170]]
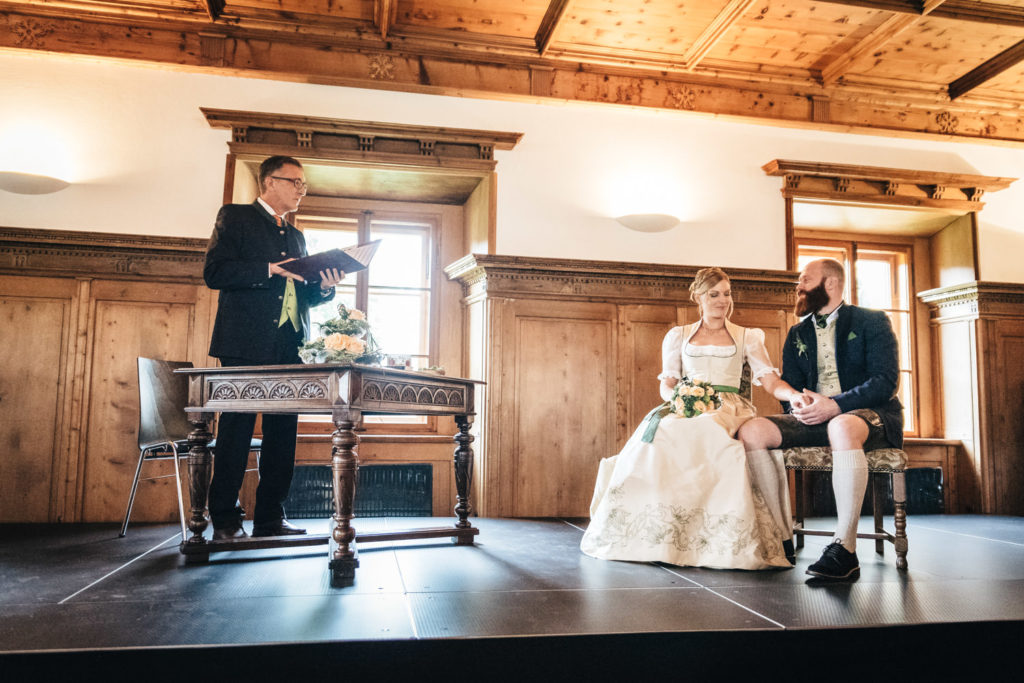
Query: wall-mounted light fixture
[[649, 222], [30, 183]]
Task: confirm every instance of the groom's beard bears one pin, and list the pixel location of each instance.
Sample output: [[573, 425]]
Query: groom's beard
[[811, 300]]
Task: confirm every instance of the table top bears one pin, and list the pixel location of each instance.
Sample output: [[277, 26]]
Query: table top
[[320, 367], [328, 388]]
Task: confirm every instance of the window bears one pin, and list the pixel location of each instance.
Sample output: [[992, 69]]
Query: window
[[878, 276], [395, 292]]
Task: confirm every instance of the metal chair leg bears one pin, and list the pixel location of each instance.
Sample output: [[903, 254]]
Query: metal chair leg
[[177, 482], [131, 496]]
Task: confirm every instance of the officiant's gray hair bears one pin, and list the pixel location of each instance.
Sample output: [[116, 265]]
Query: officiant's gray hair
[[705, 279], [272, 165]]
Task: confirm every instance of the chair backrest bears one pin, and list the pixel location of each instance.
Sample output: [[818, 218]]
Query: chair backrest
[[162, 398]]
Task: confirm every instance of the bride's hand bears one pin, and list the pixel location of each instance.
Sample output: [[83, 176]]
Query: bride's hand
[[668, 385]]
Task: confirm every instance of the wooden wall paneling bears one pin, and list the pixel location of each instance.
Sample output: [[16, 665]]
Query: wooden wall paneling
[[642, 329], [39, 318], [1005, 377], [131, 319], [530, 420], [481, 217], [979, 333], [562, 360], [953, 253], [775, 324], [67, 488]]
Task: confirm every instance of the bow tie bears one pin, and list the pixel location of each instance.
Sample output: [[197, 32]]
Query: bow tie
[[821, 320]]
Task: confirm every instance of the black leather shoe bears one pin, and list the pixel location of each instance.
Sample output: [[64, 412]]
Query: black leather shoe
[[787, 548], [230, 530], [281, 527], [836, 564]]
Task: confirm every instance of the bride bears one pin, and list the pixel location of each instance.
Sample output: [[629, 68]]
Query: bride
[[682, 490]]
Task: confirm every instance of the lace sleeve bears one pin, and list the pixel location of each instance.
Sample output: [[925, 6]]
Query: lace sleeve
[[671, 355], [757, 355]]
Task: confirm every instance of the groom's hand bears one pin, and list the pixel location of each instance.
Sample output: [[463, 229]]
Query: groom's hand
[[816, 409], [798, 402]]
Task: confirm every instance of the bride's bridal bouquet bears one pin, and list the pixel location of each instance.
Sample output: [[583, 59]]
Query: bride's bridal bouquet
[[694, 397], [345, 339]]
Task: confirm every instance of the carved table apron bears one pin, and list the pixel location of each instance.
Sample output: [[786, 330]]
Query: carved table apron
[[346, 392]]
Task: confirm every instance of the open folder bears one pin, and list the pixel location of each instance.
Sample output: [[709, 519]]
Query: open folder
[[349, 259]]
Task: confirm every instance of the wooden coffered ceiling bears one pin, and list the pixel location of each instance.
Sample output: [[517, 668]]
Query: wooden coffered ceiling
[[940, 67]]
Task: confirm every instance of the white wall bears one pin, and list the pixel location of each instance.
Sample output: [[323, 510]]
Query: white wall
[[143, 160]]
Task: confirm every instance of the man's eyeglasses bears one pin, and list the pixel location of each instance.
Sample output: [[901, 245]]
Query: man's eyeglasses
[[299, 183]]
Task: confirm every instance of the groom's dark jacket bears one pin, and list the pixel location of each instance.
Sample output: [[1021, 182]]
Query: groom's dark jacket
[[245, 240], [867, 357]]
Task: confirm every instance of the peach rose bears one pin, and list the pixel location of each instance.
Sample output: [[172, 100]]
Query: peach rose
[[335, 342], [353, 314], [353, 345]]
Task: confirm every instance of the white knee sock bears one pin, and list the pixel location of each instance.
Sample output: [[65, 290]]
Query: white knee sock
[[849, 481], [771, 481]]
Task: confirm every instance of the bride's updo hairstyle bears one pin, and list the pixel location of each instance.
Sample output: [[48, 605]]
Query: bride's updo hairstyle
[[705, 279]]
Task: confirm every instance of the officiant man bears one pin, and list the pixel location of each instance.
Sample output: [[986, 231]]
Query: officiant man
[[262, 319]]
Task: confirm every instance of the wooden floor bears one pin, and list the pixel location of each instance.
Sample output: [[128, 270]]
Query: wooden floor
[[77, 595]]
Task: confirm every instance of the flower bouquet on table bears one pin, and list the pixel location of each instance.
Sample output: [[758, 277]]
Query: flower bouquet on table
[[694, 397], [345, 339]]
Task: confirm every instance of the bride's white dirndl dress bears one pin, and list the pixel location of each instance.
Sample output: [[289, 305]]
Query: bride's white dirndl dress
[[686, 497]]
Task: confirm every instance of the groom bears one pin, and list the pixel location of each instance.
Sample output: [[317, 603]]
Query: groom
[[845, 361]]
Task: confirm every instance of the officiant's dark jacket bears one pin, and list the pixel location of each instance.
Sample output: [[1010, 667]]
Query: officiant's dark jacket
[[867, 357], [245, 239]]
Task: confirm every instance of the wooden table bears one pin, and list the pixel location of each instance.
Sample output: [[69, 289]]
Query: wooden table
[[346, 392]]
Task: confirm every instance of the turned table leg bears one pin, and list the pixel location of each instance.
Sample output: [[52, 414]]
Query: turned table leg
[[200, 471], [463, 476], [344, 465]]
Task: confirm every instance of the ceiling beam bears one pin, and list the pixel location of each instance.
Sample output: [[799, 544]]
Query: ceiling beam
[[714, 31], [548, 24], [353, 57], [214, 8], [870, 43], [960, 10], [1007, 59], [385, 12]]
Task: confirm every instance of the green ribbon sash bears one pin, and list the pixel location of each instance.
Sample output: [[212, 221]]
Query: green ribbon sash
[[653, 418]]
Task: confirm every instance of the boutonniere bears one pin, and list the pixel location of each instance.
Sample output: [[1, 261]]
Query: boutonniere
[[852, 336], [801, 348]]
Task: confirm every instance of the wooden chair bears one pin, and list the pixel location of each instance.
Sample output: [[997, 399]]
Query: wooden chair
[[163, 426], [883, 462]]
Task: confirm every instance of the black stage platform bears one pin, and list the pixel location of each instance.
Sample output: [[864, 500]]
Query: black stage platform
[[523, 603]]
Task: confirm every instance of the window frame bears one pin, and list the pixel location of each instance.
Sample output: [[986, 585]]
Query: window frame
[[364, 218], [851, 244]]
